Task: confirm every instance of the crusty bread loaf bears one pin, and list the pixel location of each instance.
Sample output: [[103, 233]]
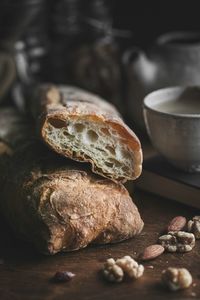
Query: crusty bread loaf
[[59, 205], [83, 127]]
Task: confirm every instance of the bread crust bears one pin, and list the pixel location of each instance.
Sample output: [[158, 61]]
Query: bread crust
[[52, 204], [49, 201], [61, 104]]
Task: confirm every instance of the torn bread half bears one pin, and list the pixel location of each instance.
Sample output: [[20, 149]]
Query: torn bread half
[[83, 127], [55, 203]]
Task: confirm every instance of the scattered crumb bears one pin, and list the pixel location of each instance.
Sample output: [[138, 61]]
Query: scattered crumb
[[62, 276], [193, 294], [149, 267], [167, 262], [194, 284], [143, 234]]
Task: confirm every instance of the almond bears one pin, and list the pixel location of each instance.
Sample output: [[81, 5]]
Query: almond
[[152, 252], [177, 224]]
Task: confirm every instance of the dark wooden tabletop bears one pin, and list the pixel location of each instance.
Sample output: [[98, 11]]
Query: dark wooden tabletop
[[26, 275]]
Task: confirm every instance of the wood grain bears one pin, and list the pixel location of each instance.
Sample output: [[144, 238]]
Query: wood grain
[[26, 275]]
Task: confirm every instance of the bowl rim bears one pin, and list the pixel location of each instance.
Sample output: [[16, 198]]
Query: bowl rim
[[178, 90]]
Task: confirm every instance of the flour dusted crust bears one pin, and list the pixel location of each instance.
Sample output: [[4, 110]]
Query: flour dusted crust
[[83, 127]]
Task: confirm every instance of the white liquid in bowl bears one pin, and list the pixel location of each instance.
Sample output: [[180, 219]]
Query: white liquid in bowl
[[179, 106]]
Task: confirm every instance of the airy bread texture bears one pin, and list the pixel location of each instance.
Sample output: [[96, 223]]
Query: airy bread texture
[[83, 127], [60, 205]]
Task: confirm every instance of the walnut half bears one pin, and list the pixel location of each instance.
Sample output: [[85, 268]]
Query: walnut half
[[194, 226], [177, 241], [176, 278], [130, 267], [114, 271]]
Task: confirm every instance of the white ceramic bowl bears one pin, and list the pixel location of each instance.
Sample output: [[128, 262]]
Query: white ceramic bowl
[[175, 135]]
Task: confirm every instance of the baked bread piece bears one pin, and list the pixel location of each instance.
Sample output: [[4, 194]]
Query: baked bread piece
[[83, 127], [58, 206]]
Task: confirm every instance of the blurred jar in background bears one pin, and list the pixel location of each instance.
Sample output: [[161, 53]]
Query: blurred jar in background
[[84, 49], [14, 17], [72, 42], [31, 55]]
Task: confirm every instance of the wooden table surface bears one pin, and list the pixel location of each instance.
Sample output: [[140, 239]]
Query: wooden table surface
[[26, 275]]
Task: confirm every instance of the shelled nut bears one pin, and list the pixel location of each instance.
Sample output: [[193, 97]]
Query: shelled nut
[[176, 278], [177, 241]]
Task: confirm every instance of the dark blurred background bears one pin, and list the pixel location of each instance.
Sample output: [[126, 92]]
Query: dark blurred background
[[81, 42], [148, 19]]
